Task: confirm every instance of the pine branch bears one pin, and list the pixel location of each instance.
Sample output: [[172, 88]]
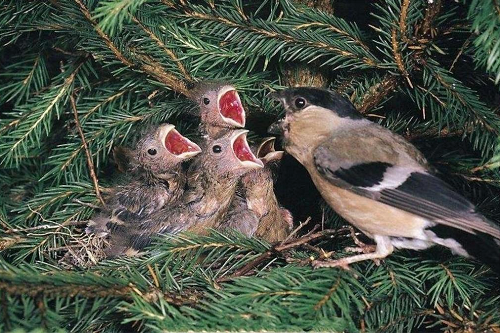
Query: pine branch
[[485, 19], [376, 93], [133, 64], [101, 34], [67, 290], [27, 75], [280, 248], [273, 32], [123, 292], [112, 14]]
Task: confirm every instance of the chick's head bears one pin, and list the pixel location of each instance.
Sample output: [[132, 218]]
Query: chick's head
[[159, 150]]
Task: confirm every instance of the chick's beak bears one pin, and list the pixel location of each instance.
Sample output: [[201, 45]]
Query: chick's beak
[[177, 144], [243, 152], [230, 108], [266, 146], [273, 156], [266, 151]]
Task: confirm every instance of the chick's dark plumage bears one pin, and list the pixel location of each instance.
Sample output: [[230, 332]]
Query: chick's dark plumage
[[212, 180], [378, 181], [153, 178]]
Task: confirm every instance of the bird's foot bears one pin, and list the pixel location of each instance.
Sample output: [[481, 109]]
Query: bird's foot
[[364, 249], [361, 246], [361, 249], [341, 263], [355, 238]]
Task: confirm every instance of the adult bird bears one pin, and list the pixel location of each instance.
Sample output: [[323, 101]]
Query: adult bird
[[378, 181]]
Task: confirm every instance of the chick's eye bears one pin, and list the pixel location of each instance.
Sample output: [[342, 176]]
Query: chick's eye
[[206, 101], [152, 151], [216, 149], [300, 102]]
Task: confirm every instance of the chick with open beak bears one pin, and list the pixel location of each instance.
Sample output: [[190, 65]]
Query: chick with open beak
[[154, 178], [211, 186], [256, 211], [220, 108]]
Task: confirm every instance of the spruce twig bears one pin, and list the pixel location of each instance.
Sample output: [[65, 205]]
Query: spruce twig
[[162, 46], [101, 33], [280, 248], [149, 66], [376, 93], [90, 162], [402, 20]]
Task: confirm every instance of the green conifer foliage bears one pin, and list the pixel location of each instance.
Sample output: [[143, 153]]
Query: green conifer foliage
[[429, 70]]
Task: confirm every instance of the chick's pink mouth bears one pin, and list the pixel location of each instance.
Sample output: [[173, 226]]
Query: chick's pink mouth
[[177, 144], [230, 107], [242, 150]]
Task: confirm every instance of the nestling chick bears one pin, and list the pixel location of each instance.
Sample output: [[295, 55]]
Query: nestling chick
[[240, 217], [220, 108], [212, 185], [275, 222], [255, 211], [379, 182], [155, 178]]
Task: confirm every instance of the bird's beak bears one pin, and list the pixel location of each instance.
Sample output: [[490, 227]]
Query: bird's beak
[[273, 156], [276, 128], [242, 150], [177, 144], [267, 152], [230, 108], [266, 146]]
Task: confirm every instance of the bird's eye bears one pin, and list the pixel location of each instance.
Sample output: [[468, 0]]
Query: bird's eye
[[206, 101], [300, 103], [216, 149], [152, 151]]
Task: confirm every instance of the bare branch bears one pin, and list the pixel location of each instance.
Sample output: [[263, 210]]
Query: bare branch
[[90, 162]]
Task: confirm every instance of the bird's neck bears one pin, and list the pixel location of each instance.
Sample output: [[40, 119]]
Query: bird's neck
[[259, 192], [213, 195], [212, 131], [308, 129], [170, 179]]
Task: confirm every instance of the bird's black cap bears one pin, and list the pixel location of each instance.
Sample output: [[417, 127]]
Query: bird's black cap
[[319, 97]]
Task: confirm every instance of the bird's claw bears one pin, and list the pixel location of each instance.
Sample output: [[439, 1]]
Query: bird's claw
[[361, 249], [331, 263]]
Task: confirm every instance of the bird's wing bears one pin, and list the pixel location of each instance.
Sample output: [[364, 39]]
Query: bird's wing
[[164, 221], [139, 199], [408, 188]]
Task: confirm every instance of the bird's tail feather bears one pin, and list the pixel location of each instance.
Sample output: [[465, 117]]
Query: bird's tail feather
[[481, 246]]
